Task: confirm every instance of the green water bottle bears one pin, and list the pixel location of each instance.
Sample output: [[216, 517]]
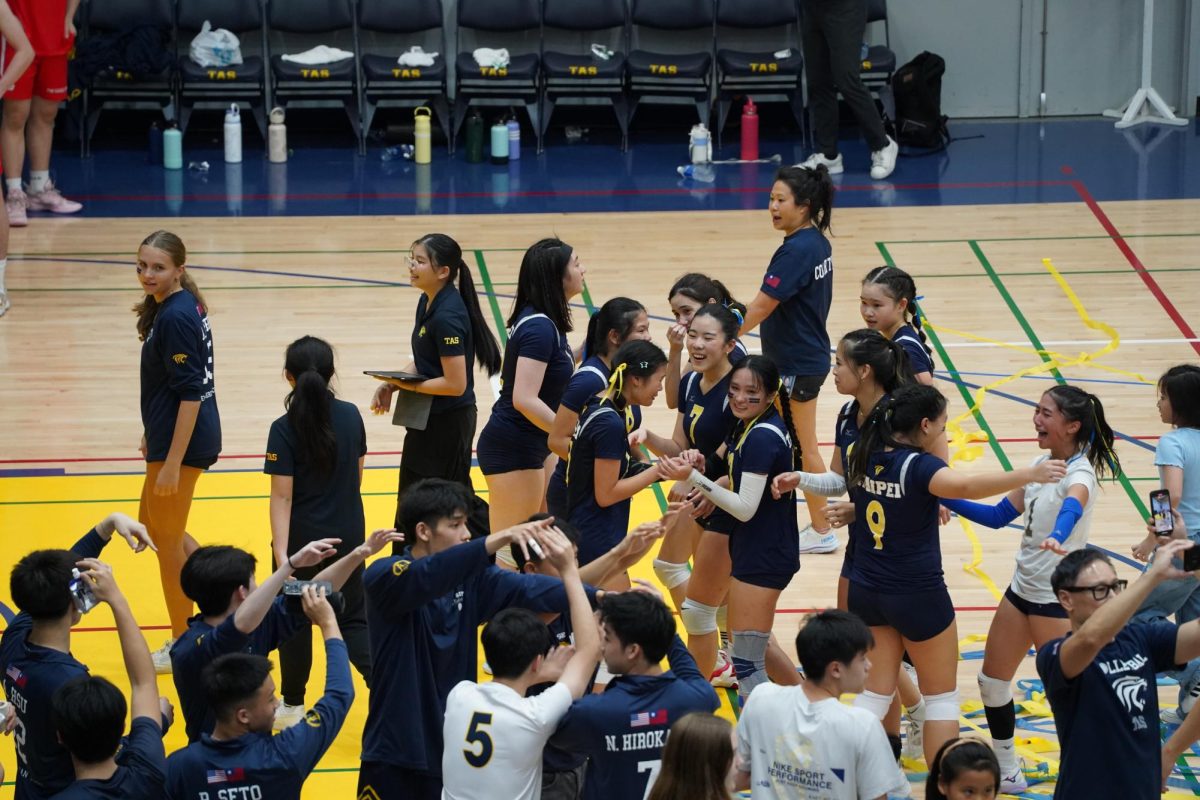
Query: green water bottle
[[474, 138]]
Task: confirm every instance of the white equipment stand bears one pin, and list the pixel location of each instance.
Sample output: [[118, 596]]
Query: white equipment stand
[[1146, 105]]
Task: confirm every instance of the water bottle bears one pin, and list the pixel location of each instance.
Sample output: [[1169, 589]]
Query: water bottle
[[514, 139], [277, 150], [749, 131], [500, 142], [172, 148], [474, 138], [701, 145], [233, 135], [156, 143], [697, 172], [421, 135]]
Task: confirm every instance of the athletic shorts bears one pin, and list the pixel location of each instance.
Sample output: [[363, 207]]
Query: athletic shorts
[[847, 558], [499, 452], [803, 388], [46, 78], [1029, 609], [556, 498], [916, 616], [767, 580], [388, 782], [719, 521]]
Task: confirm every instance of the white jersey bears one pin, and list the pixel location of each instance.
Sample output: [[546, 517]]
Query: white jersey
[[494, 740], [1043, 501], [796, 749]]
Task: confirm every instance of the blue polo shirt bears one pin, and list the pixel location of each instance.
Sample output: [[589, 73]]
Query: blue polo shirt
[[443, 330], [800, 277], [142, 772]]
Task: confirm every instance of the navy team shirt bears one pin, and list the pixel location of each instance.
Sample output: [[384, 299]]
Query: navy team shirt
[[31, 675], [769, 542], [443, 330], [328, 506], [800, 277], [532, 336], [423, 617], [707, 417], [918, 357], [141, 774], [202, 643], [623, 730], [897, 548], [1107, 715], [259, 765], [599, 434], [177, 364]]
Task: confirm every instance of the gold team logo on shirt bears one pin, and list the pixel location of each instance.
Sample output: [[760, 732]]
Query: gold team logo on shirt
[[272, 457], [313, 718], [179, 358], [369, 793], [400, 567], [878, 468], [422, 331], [450, 340]]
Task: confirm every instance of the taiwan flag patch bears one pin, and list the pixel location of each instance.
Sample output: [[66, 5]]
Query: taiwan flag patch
[[772, 281], [643, 719], [226, 775]]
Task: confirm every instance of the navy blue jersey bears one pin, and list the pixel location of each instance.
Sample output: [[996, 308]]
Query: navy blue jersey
[[323, 506], [707, 417], [600, 434], [768, 542], [533, 336], [800, 277], [31, 675], [443, 330], [423, 617], [623, 730], [259, 765], [196, 649], [918, 357], [177, 364], [846, 433], [897, 547], [142, 772], [555, 759], [1107, 715]]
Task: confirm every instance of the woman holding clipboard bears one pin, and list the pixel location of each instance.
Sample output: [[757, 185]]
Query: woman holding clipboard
[[449, 335]]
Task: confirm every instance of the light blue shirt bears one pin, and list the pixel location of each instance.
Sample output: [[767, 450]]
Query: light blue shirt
[[1181, 448]]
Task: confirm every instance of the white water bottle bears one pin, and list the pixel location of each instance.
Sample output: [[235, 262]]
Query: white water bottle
[[233, 135], [701, 145], [277, 137]]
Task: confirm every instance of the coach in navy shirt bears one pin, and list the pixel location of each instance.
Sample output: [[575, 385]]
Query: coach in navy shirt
[[1100, 678]]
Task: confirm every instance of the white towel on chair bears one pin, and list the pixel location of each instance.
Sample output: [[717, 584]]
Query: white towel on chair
[[417, 57], [321, 54], [487, 57]]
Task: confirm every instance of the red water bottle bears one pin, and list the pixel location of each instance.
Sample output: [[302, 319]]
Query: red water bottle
[[749, 131]]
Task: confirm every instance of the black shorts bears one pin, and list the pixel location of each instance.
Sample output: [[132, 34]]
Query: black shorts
[[499, 451], [1029, 609], [379, 781], [719, 521], [803, 388], [916, 616]]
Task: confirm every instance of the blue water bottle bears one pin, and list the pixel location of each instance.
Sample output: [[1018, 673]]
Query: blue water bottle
[[172, 148], [514, 139]]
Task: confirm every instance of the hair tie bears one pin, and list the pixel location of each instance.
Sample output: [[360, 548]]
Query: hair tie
[[643, 365], [741, 320], [616, 382]]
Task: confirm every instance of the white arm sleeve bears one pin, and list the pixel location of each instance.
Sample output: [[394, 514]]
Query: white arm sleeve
[[741, 505], [826, 484]]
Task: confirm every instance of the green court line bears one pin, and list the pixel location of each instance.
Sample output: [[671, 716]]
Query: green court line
[[1037, 344], [490, 288], [980, 420]]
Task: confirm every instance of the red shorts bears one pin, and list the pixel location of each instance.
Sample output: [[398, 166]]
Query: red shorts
[[46, 78]]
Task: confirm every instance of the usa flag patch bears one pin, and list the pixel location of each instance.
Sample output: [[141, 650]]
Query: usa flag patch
[[645, 718], [226, 775]]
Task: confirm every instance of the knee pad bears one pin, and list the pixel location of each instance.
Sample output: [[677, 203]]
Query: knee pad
[[750, 659], [877, 704], [671, 574], [698, 619], [942, 707], [994, 692]]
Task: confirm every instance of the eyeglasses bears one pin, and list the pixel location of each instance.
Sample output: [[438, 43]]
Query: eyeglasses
[[1100, 591]]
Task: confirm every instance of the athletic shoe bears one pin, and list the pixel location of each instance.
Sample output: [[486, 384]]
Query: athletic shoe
[[286, 716], [811, 541], [723, 676], [883, 162], [162, 658], [16, 204], [1014, 783], [5, 304], [914, 740], [816, 159], [51, 199], [1171, 716]]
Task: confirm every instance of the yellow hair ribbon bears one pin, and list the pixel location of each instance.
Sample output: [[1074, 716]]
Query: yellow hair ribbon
[[616, 382]]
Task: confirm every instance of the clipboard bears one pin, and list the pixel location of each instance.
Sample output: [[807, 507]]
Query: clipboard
[[412, 409], [396, 376]]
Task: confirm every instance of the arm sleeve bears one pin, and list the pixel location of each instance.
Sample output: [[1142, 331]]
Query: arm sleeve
[[396, 586], [826, 484], [280, 458], [1064, 523], [90, 545], [741, 505], [996, 516], [304, 744], [184, 357], [500, 589]]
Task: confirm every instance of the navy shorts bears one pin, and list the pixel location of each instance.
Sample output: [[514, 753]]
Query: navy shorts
[[916, 616], [556, 498], [767, 580], [1029, 609], [803, 388], [501, 451], [719, 521]]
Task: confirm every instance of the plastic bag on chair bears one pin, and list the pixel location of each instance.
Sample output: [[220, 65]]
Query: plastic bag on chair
[[215, 48]]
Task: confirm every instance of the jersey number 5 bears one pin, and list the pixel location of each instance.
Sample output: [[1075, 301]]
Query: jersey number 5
[[477, 736], [876, 521]]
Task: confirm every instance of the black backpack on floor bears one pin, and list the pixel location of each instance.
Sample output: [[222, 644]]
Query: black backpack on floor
[[917, 87]]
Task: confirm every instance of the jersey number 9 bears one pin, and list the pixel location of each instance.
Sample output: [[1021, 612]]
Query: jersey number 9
[[477, 736], [876, 521]]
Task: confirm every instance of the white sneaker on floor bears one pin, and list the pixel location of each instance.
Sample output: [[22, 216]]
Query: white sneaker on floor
[[1171, 716], [818, 158], [812, 541], [1015, 782], [723, 677], [883, 162], [5, 303], [17, 204], [162, 658], [286, 716], [914, 739]]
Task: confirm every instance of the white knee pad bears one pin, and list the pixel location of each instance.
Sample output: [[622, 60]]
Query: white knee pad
[[994, 692], [877, 704], [670, 573], [942, 707], [698, 619]]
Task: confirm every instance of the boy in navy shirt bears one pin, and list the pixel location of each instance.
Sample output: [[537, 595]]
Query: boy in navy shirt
[[241, 757], [89, 713], [35, 652], [1100, 678], [623, 730]]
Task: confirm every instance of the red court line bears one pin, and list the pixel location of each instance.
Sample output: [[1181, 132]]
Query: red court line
[[1134, 261]]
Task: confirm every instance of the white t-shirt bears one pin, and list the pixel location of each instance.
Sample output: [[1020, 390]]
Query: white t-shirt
[[494, 740], [799, 750], [1043, 501]]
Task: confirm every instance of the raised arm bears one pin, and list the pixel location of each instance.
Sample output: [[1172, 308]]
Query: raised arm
[[251, 612], [952, 484], [340, 571], [578, 672]]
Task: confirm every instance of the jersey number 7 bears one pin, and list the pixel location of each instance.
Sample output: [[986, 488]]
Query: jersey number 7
[[652, 767]]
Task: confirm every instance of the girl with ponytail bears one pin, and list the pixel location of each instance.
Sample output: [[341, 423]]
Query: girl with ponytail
[[315, 455], [688, 295], [888, 304], [181, 427], [449, 336]]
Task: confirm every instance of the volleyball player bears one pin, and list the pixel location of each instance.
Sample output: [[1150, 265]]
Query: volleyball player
[[1056, 517], [538, 362], [792, 305], [616, 322], [687, 296], [888, 304], [17, 42], [449, 336], [181, 426], [896, 580]]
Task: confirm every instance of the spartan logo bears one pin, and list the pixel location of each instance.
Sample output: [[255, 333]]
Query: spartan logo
[[1131, 690]]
